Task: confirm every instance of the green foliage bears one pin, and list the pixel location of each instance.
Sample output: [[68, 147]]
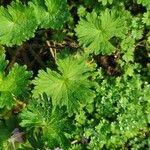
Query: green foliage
[[146, 18], [94, 95], [17, 24], [95, 31], [13, 86], [75, 147], [53, 122], [5, 133], [69, 85], [144, 3], [121, 101], [19, 21], [50, 13], [105, 2], [7, 138]]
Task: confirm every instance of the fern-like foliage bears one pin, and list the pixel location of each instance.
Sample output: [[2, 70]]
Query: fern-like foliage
[[50, 13], [13, 85], [17, 24], [69, 86], [54, 123], [123, 101], [95, 31]]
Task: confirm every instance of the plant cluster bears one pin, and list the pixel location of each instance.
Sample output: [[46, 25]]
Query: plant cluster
[[91, 96]]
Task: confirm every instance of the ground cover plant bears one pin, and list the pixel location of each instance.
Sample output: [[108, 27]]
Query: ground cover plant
[[74, 75]]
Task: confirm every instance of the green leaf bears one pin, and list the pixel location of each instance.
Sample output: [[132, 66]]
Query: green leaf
[[105, 2], [3, 64], [145, 3], [53, 121], [4, 136], [51, 13], [76, 147], [69, 86], [128, 46], [146, 18], [95, 31], [2, 50], [13, 86], [18, 24]]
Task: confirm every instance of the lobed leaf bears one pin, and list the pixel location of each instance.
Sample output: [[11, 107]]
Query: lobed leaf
[[18, 24], [69, 86], [50, 13], [53, 121], [13, 85], [95, 31]]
